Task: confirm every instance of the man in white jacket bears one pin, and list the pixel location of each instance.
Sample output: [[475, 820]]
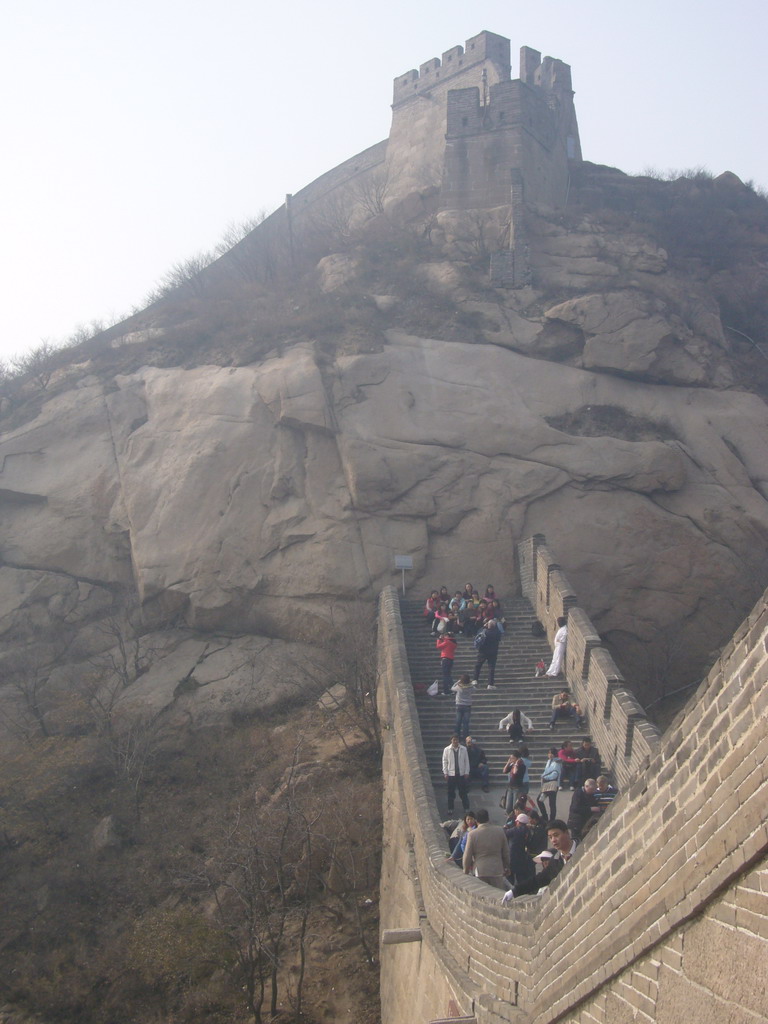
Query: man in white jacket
[[456, 772]]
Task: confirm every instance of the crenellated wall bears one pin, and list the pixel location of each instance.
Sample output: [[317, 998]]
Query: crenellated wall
[[663, 913], [486, 46]]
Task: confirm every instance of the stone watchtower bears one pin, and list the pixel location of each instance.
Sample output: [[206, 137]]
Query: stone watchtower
[[463, 123]]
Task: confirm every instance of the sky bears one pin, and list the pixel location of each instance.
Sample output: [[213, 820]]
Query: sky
[[135, 134]]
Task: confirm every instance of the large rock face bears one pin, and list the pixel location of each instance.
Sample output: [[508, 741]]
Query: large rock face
[[397, 403], [247, 499]]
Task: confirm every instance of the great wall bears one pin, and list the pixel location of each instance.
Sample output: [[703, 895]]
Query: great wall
[[664, 912]]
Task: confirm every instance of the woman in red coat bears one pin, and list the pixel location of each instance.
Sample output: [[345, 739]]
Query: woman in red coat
[[446, 644]]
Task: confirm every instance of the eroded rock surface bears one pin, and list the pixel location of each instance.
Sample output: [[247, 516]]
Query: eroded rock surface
[[247, 499], [408, 407]]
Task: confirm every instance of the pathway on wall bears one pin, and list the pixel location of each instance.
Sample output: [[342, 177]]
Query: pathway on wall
[[665, 902], [515, 687]]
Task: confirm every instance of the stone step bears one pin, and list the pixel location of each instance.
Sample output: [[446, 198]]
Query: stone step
[[516, 686]]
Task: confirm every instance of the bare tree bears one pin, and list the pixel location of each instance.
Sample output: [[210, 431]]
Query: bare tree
[[132, 747], [128, 737], [470, 239], [236, 232], [353, 827], [331, 221], [257, 885], [25, 711], [371, 191], [38, 363], [185, 276], [129, 654]]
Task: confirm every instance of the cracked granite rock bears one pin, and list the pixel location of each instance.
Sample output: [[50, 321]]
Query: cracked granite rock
[[252, 499]]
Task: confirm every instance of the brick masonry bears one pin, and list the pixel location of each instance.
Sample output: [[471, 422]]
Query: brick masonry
[[664, 911]]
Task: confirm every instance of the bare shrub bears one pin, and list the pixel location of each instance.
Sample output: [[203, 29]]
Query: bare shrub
[[28, 699], [184, 276], [330, 224], [255, 892], [38, 364], [237, 231], [370, 192]]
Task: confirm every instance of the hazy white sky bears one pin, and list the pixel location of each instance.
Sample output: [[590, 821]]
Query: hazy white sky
[[134, 133]]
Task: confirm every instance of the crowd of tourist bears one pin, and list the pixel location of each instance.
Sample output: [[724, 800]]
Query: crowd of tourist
[[507, 856]]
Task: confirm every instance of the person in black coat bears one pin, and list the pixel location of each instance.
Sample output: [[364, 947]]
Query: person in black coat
[[521, 866], [583, 805], [590, 763], [563, 848], [488, 650]]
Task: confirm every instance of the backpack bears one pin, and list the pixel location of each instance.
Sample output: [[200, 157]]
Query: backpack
[[480, 638], [537, 630]]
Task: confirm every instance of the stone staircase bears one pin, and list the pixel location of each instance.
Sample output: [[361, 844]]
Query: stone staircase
[[516, 687]]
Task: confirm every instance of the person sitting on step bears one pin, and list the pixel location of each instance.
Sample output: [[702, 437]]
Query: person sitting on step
[[584, 807], [477, 619], [494, 610], [590, 763], [563, 707], [569, 765], [431, 606], [442, 615], [605, 793], [478, 763], [457, 838]]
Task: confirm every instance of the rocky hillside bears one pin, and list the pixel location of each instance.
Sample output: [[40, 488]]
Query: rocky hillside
[[199, 506], [251, 452]]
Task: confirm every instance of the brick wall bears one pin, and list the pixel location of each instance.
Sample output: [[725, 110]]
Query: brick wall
[[520, 128], [663, 912]]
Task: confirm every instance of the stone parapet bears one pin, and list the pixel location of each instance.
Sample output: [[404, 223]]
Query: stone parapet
[[617, 722]]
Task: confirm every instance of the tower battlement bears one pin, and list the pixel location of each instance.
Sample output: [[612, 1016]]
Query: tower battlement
[[486, 46], [462, 121], [549, 74]]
